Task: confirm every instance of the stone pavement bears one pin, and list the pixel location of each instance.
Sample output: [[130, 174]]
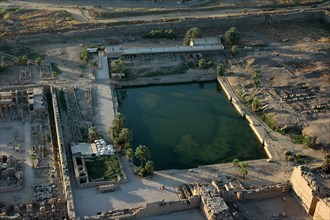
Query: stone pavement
[[104, 108]]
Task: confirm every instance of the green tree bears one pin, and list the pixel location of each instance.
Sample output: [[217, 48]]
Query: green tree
[[84, 55], [235, 162], [243, 172], [220, 70], [192, 33], [117, 125], [125, 137], [256, 104], [149, 167], [202, 63], [92, 134], [232, 36], [18, 60], [117, 66], [142, 153], [54, 76], [129, 154], [256, 77], [38, 61], [326, 164], [25, 59]]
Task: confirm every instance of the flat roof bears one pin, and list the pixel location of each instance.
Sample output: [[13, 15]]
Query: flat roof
[[92, 50], [210, 40], [84, 149], [117, 51]]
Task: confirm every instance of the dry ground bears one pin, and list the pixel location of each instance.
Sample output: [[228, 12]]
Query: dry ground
[[290, 64]]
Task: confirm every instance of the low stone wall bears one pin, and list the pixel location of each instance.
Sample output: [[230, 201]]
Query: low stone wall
[[264, 192], [159, 208]]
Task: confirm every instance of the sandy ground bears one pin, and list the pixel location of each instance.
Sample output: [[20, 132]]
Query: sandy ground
[[265, 208]]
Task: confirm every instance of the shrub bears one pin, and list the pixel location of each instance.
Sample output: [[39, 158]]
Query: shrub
[[326, 164], [169, 34], [220, 70], [290, 158], [191, 34], [84, 55], [232, 36], [202, 63], [141, 171], [235, 162]]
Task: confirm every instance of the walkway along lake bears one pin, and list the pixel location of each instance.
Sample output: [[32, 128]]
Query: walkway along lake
[[187, 125]]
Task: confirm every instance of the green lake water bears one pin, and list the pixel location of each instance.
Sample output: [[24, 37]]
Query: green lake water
[[187, 125]]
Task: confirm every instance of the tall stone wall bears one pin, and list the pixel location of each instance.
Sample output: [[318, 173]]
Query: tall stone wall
[[64, 173], [303, 190], [322, 210]]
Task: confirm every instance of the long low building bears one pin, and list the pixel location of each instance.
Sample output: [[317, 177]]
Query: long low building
[[117, 51]]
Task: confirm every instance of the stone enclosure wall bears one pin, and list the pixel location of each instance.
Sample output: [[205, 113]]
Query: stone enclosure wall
[[303, 190], [182, 24]]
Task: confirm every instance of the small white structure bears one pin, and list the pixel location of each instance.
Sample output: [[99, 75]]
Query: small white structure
[[205, 42], [92, 50], [103, 149]]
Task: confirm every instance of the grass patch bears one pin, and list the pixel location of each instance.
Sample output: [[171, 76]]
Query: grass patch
[[106, 167], [298, 158], [270, 121]]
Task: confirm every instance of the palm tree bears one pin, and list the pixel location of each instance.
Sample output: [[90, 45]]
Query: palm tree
[[129, 154], [38, 61], [142, 153], [255, 104], [117, 125], [243, 172], [125, 137], [149, 167], [54, 76]]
